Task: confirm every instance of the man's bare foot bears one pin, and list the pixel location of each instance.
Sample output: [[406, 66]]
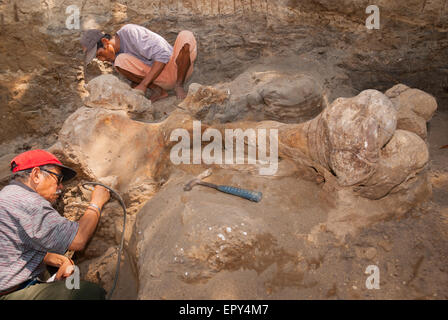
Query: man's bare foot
[[158, 94], [181, 94]]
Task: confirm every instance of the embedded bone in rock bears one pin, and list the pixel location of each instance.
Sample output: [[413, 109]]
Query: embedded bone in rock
[[400, 160], [349, 139], [356, 139], [355, 142], [107, 143], [270, 95], [206, 102], [357, 128], [415, 108], [286, 98], [109, 92]]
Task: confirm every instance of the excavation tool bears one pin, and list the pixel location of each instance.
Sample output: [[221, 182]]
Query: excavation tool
[[120, 249], [246, 194]]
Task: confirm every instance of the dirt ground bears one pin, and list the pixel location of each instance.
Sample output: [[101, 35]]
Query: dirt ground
[[410, 253]]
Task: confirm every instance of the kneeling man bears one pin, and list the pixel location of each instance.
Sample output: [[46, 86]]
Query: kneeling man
[[145, 58]]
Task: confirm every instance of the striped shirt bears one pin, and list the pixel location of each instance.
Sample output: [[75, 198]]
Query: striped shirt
[[29, 228]]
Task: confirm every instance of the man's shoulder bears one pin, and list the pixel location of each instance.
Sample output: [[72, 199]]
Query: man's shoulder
[[130, 27], [16, 193]]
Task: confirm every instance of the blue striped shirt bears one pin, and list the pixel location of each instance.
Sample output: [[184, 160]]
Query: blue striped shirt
[[29, 228]]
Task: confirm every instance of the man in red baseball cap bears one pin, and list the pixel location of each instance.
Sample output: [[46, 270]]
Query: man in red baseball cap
[[33, 233], [37, 158]]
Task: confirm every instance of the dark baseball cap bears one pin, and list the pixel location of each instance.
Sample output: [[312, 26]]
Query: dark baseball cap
[[89, 40], [36, 158]]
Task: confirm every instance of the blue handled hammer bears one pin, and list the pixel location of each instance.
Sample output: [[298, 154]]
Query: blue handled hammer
[[246, 194]]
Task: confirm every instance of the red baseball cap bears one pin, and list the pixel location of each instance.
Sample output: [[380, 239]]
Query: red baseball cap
[[36, 158]]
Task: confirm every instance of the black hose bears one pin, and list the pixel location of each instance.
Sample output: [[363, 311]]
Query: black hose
[[120, 249]]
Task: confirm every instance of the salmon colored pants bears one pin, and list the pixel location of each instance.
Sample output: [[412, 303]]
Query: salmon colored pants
[[167, 78]]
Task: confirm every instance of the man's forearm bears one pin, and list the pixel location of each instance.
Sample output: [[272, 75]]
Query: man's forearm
[[54, 259], [87, 226], [89, 221], [152, 75]]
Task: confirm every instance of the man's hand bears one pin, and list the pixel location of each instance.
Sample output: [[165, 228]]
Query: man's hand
[[65, 270], [141, 88], [100, 196], [64, 264], [152, 75]]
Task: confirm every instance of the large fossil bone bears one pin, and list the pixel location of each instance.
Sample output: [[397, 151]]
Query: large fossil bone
[[354, 142]]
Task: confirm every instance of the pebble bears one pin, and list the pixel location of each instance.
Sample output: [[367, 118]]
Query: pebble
[[221, 236], [228, 229], [370, 253], [386, 245]]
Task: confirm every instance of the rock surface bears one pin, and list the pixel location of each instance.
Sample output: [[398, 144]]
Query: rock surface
[[108, 92], [269, 95], [415, 108], [204, 243]]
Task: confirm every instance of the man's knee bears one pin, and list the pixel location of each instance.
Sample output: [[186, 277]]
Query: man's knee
[[119, 70], [188, 35], [184, 54], [120, 60], [85, 291], [58, 291], [186, 48], [88, 291]]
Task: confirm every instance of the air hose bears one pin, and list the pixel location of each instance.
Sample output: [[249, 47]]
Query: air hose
[[120, 249]]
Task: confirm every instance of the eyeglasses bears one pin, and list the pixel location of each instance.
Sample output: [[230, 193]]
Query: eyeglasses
[[59, 177]]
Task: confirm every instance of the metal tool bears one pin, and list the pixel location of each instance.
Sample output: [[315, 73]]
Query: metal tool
[[242, 193], [120, 249]]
